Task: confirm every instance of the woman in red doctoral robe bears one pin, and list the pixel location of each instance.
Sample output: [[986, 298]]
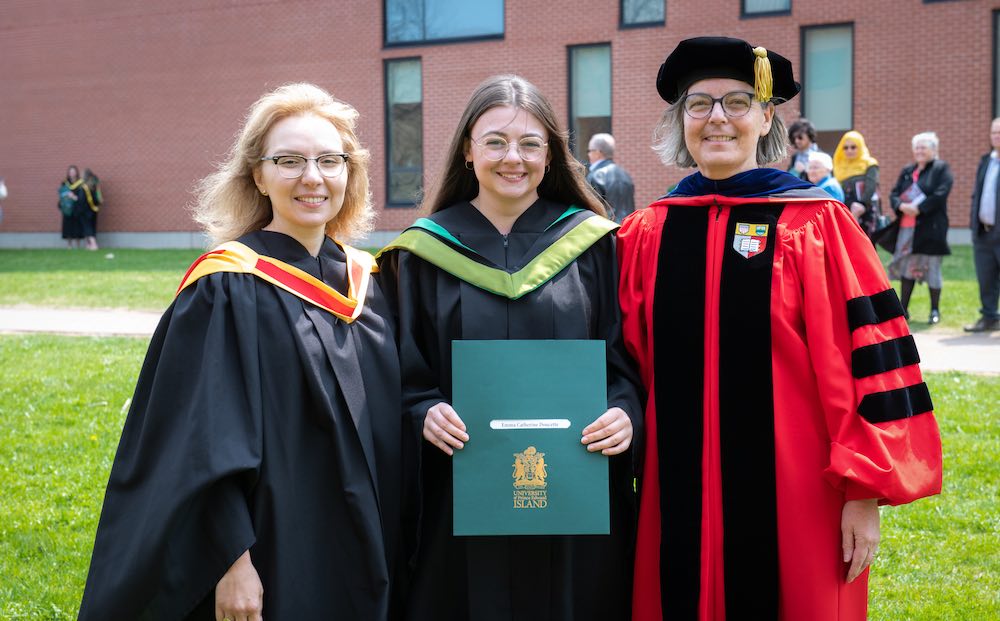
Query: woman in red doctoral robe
[[785, 399]]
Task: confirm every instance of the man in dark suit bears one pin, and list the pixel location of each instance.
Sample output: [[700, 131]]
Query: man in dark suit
[[986, 235], [609, 179]]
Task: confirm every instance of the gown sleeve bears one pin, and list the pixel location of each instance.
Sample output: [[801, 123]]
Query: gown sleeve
[[637, 251], [420, 382], [176, 512], [624, 386], [884, 440]]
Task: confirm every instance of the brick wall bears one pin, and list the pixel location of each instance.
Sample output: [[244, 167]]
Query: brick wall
[[150, 95]]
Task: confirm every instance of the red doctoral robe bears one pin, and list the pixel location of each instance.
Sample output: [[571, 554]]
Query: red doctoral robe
[[782, 382]]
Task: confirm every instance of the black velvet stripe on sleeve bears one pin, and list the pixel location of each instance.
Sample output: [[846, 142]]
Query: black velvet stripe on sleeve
[[882, 407], [872, 309], [881, 357], [746, 421], [679, 358]]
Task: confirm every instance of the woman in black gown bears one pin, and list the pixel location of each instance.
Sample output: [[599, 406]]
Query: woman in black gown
[[259, 470], [511, 193]]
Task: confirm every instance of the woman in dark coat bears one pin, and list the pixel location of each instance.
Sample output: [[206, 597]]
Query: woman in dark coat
[[920, 200]]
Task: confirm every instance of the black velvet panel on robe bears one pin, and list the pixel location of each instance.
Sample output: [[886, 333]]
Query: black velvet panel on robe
[[542, 578], [259, 421]]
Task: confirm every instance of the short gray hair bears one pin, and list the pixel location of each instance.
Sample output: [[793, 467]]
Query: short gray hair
[[930, 138], [605, 143], [668, 139]]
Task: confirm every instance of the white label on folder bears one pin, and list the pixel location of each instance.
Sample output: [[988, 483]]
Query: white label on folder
[[530, 423]]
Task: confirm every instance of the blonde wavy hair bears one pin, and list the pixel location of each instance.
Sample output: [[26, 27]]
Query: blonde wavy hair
[[229, 204]]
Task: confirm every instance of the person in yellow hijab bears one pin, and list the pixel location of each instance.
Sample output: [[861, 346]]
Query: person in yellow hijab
[[857, 172]]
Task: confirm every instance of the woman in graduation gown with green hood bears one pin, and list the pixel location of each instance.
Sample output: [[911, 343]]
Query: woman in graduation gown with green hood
[[511, 193], [258, 473], [785, 399]]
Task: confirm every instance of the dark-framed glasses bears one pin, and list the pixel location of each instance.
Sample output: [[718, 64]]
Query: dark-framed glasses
[[495, 148], [735, 104], [294, 166]]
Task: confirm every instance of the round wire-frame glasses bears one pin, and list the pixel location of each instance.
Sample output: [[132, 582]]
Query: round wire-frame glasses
[[495, 148], [294, 166]]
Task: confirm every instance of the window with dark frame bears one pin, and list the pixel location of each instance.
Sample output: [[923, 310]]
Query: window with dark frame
[[755, 8], [404, 136], [828, 81], [590, 95], [409, 22], [643, 13]]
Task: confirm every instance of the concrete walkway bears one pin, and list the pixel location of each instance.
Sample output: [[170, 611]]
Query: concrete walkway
[[939, 350]]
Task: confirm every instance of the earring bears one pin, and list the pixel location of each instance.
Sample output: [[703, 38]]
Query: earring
[[468, 164], [547, 167], [263, 191]]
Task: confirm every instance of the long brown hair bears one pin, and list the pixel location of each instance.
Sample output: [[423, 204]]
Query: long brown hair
[[229, 203], [563, 183]]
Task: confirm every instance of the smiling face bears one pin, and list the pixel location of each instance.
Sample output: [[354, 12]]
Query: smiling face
[[302, 207], [510, 185], [720, 145]]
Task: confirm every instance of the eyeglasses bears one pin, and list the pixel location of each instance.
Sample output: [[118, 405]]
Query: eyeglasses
[[735, 104], [294, 166], [495, 148]]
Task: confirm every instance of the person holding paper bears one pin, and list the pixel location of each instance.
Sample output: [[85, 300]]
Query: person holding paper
[[857, 172], [786, 403], [920, 200], [259, 471], [516, 246]]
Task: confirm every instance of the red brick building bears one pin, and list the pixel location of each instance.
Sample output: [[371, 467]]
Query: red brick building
[[149, 95]]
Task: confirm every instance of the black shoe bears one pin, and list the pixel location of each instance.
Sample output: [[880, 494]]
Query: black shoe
[[984, 325], [935, 317]]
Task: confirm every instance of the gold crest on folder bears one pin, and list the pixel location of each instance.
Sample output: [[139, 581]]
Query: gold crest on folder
[[530, 471]]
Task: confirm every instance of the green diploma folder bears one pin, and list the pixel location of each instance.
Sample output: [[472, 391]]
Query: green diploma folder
[[524, 470]]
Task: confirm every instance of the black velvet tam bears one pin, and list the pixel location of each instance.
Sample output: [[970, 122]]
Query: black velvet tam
[[720, 57]]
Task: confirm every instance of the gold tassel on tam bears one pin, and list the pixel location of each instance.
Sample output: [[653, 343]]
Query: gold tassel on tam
[[763, 82]]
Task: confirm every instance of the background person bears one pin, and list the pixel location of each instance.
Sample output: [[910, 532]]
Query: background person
[[985, 235], [921, 235], [504, 200], [92, 192], [258, 473], [785, 401], [71, 205], [820, 172], [610, 180], [802, 136], [857, 172]]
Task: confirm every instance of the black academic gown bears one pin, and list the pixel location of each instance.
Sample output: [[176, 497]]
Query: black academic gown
[[259, 421], [557, 578]]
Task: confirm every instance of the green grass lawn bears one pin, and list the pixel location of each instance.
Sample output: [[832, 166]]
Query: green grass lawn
[[133, 279], [64, 399]]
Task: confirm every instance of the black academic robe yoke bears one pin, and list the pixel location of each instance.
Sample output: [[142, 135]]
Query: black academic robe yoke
[[259, 421], [512, 578]]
